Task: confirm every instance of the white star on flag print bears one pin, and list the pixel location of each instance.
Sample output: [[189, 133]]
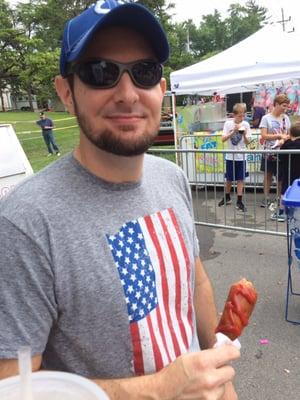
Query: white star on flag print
[[154, 269]]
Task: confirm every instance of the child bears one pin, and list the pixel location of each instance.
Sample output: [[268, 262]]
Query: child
[[237, 133], [289, 166]]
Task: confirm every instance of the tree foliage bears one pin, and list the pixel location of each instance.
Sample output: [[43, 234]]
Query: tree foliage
[[31, 32]]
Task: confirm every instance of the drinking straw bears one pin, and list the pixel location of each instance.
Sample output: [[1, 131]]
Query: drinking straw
[[24, 360]]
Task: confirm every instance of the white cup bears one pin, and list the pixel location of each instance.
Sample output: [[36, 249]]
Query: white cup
[[53, 385]]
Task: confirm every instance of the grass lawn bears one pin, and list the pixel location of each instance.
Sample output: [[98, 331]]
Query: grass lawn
[[66, 134]]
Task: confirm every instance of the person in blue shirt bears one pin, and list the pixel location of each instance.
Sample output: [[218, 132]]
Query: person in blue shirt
[[47, 130]]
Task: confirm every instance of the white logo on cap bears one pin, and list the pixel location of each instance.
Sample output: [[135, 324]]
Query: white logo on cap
[[101, 10], [104, 10]]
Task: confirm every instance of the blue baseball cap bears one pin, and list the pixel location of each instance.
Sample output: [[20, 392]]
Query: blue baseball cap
[[79, 31]]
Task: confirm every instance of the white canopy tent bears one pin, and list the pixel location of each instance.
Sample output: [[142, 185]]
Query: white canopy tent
[[269, 55], [14, 165]]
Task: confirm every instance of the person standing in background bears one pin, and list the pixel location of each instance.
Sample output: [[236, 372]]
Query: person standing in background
[[47, 131], [237, 134], [275, 126], [258, 113], [289, 167]]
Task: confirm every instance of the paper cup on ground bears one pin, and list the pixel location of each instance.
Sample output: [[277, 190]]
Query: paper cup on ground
[[53, 385]]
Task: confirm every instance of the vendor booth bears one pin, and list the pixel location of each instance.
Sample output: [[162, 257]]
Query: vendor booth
[[250, 65]]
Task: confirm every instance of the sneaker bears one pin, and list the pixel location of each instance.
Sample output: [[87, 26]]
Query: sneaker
[[265, 203], [58, 154], [240, 206], [50, 154], [274, 205], [222, 202], [278, 216]]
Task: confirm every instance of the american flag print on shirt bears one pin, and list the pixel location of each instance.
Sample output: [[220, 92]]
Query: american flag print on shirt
[[155, 272]]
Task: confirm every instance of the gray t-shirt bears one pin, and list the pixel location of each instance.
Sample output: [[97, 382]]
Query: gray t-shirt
[[274, 126], [98, 277]]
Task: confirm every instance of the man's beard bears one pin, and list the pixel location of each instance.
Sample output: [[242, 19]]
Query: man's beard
[[108, 141]]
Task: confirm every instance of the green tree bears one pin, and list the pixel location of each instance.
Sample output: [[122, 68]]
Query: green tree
[[161, 10], [211, 35], [30, 37], [9, 36], [243, 21], [51, 16]]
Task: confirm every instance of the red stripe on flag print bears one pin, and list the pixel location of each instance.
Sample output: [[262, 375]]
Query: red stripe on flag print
[[176, 267], [164, 290], [188, 267], [137, 349], [153, 344], [171, 278], [163, 336], [158, 357]]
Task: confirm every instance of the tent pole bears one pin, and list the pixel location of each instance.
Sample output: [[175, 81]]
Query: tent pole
[[174, 124]]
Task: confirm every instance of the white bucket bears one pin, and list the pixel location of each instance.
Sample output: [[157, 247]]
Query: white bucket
[[53, 385]]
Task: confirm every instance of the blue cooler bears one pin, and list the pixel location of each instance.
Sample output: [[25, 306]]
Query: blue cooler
[[291, 201]]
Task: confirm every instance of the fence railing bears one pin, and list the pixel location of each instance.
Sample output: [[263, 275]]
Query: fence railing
[[205, 169]]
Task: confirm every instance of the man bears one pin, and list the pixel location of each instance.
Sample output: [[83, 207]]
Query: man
[[47, 125], [107, 282], [275, 126]]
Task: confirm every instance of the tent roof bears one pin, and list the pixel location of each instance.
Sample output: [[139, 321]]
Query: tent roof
[[269, 55]]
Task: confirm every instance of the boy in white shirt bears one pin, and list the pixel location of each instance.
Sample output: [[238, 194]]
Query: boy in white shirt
[[237, 134]]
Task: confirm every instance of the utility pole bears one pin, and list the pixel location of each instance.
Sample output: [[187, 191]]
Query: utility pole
[[283, 21], [188, 48]]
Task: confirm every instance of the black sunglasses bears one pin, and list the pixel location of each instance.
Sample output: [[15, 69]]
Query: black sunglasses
[[105, 74]]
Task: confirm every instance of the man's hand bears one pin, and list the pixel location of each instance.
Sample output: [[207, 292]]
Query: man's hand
[[230, 393], [200, 376]]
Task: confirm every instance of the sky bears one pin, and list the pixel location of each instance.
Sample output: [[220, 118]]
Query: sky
[[194, 9]]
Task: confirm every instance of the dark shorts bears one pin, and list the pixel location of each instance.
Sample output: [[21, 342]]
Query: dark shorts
[[271, 165], [235, 170]]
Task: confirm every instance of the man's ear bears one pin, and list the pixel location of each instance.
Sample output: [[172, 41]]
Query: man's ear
[[65, 93], [163, 85]]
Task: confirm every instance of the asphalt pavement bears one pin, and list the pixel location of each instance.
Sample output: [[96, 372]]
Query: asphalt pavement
[[269, 367]]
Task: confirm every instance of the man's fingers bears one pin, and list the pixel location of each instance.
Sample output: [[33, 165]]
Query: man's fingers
[[219, 356], [223, 375]]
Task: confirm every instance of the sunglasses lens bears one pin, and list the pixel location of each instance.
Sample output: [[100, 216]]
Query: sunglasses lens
[[100, 74], [147, 74]]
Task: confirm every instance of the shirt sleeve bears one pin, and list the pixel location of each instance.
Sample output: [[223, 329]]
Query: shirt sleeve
[[27, 296], [264, 122]]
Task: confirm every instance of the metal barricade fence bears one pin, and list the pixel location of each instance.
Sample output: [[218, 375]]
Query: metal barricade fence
[[205, 169]]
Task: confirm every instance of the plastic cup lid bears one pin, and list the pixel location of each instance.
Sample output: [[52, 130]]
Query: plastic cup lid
[[54, 384], [291, 197]]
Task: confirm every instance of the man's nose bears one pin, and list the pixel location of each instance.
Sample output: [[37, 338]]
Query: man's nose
[[126, 91]]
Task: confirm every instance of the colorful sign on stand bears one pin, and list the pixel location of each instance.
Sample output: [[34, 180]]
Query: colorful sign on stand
[[209, 168]]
